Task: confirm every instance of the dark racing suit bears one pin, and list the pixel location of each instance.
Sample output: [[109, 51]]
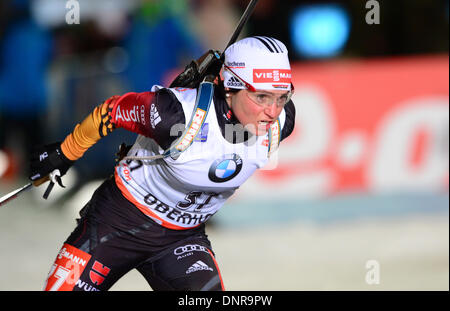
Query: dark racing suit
[[113, 236]]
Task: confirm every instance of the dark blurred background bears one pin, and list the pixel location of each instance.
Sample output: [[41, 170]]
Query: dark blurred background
[[53, 73]]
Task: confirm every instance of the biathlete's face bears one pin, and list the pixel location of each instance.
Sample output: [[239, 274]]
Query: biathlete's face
[[256, 111]]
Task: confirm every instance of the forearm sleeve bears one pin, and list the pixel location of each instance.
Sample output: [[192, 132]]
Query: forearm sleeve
[[141, 113], [95, 126]]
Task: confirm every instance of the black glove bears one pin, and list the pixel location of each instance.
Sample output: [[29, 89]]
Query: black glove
[[46, 159]]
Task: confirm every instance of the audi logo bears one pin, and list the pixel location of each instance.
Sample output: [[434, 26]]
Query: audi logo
[[189, 248]]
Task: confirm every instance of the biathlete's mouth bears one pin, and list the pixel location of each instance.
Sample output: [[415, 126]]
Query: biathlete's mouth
[[265, 124]]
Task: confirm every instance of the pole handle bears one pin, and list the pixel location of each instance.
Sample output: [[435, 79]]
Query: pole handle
[[40, 181]]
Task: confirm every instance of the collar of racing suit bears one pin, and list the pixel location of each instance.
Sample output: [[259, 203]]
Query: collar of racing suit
[[232, 130]]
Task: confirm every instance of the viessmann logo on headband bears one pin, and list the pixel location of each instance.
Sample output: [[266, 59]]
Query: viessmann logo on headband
[[271, 75]]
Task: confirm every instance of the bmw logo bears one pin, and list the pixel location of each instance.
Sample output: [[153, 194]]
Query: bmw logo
[[225, 168]]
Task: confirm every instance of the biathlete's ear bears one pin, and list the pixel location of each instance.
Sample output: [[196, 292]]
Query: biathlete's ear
[[228, 96]]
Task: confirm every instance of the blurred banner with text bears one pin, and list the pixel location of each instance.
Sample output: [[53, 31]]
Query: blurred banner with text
[[374, 126]]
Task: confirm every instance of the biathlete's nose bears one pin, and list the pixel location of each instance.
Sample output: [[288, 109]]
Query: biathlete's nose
[[272, 110]]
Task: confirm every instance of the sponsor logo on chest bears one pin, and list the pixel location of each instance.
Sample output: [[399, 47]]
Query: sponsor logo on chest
[[225, 168]]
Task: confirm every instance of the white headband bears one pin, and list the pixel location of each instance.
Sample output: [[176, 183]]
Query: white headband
[[259, 61]]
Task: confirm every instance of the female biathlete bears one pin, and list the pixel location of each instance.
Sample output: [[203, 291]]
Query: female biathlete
[[150, 215]]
